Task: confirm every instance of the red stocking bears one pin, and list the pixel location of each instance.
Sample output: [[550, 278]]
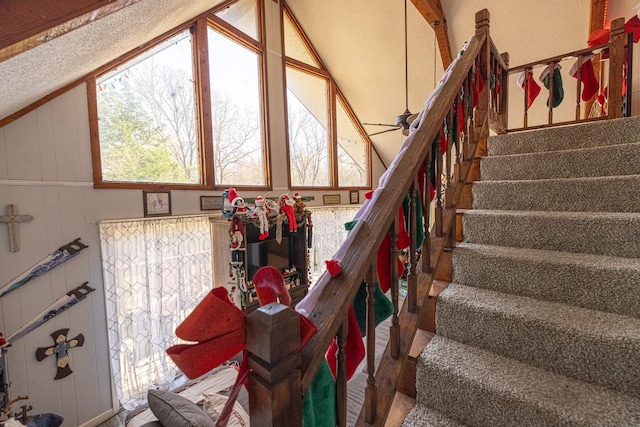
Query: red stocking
[[533, 87], [354, 348], [588, 79]]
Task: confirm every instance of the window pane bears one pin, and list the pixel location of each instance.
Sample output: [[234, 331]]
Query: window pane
[[308, 137], [242, 15], [236, 113], [352, 151], [294, 46], [147, 117]]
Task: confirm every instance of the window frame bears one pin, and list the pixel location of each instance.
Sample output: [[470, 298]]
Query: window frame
[[334, 93], [198, 27]]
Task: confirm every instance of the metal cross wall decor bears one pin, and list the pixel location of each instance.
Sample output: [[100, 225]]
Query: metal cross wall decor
[[60, 349], [13, 219]]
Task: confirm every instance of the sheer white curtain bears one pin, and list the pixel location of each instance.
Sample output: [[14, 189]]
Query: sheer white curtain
[[328, 234], [155, 272]]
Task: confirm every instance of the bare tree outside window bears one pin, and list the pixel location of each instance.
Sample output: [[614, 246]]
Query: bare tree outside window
[[308, 143]]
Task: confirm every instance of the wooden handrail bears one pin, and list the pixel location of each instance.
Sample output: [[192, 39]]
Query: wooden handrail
[[616, 49], [330, 299]]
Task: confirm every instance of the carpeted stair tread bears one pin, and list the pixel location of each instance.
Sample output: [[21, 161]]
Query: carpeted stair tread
[[598, 194], [594, 134], [480, 388], [621, 159], [598, 282], [599, 233], [593, 346], [422, 416]]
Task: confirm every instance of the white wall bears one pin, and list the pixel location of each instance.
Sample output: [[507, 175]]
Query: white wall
[[45, 171]]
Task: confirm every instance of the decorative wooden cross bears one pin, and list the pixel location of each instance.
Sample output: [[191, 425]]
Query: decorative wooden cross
[[12, 219], [60, 350]]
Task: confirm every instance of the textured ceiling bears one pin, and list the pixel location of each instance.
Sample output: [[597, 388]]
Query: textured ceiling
[[360, 41]]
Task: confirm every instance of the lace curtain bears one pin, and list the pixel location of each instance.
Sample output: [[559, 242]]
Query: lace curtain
[[155, 272], [328, 234]]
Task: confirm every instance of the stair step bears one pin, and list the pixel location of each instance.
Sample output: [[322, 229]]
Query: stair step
[[614, 160], [423, 416], [400, 407], [592, 346], [598, 233], [594, 134], [600, 194], [610, 284], [480, 388]]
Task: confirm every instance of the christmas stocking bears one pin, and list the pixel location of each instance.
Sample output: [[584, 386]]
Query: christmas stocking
[[588, 79], [558, 91], [533, 88], [354, 348]]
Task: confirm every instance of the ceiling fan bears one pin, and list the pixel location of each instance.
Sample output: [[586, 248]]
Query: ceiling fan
[[405, 119]]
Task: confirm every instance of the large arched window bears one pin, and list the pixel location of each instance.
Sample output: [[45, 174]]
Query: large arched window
[[327, 146], [185, 111]]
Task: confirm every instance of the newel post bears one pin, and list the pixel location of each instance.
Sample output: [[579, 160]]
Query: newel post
[[275, 397], [484, 59], [616, 59]]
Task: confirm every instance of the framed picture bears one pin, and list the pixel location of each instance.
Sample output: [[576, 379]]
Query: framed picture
[[210, 203], [354, 197], [331, 199], [156, 203]]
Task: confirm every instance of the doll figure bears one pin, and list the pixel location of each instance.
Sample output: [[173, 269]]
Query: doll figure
[[286, 205], [300, 205], [261, 213]]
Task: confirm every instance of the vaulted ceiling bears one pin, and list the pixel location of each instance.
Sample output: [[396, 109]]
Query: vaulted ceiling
[[46, 45]]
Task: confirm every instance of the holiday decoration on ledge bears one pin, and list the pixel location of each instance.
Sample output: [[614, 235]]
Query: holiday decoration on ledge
[[261, 213], [558, 92], [300, 204], [286, 206], [54, 259], [70, 299], [13, 219], [60, 349]]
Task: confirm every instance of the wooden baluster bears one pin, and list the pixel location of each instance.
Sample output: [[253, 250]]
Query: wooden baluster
[[438, 189], [466, 100], [504, 104], [371, 393], [412, 279], [426, 209], [464, 148], [465, 142], [482, 30], [470, 126], [447, 156], [341, 375], [578, 87], [273, 336], [627, 104], [552, 82], [616, 59], [394, 329], [456, 143], [526, 97]]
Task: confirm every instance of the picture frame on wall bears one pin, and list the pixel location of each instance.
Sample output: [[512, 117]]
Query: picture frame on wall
[[156, 203], [354, 197], [331, 199], [210, 203]]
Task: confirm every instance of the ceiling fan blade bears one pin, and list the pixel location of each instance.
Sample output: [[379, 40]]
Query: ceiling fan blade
[[379, 124], [412, 117], [384, 131]]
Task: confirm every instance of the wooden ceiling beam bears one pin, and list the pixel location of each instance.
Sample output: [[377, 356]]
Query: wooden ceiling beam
[[29, 23], [431, 10]]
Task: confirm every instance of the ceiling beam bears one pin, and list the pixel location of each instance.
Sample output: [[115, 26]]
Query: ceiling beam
[[30, 23], [431, 10]]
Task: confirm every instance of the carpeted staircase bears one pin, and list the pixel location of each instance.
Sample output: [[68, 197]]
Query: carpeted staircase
[[541, 323]]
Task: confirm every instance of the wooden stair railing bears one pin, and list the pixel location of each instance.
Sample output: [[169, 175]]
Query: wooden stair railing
[[620, 51], [280, 372]]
